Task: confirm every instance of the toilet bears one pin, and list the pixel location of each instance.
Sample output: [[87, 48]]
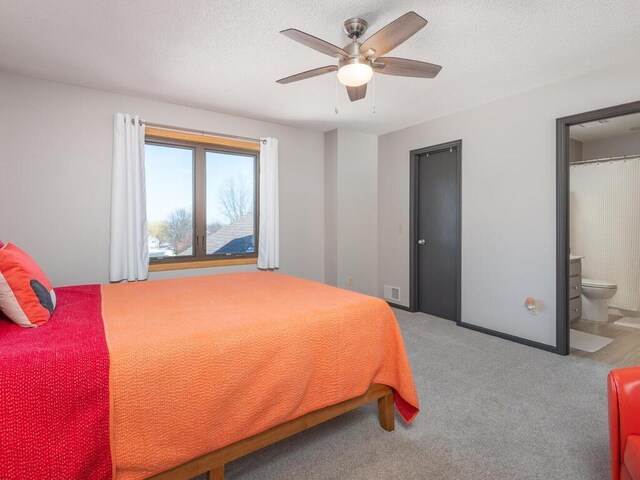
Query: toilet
[[595, 299]]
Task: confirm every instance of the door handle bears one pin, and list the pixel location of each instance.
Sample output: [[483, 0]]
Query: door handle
[[422, 241]]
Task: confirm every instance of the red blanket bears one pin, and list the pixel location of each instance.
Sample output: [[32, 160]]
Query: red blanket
[[54, 393]]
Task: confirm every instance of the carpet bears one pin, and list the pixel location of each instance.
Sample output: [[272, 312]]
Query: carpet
[[490, 409], [633, 322], [587, 342]]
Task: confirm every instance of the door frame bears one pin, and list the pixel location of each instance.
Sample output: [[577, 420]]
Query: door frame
[[562, 211], [413, 222]]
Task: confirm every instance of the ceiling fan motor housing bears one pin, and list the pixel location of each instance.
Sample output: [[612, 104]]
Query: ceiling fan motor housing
[[355, 27]]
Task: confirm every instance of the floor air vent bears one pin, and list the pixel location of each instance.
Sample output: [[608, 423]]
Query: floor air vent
[[392, 293]]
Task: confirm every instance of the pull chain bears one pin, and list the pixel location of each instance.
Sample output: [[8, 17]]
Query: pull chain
[[336, 94], [373, 85]]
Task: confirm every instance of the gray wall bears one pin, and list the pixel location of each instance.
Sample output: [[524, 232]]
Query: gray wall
[[351, 197], [628, 144], [55, 166], [508, 198], [55, 177], [331, 207]]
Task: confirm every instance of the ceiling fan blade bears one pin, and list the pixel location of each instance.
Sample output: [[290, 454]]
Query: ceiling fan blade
[[308, 74], [315, 43], [406, 68], [389, 37], [357, 93]]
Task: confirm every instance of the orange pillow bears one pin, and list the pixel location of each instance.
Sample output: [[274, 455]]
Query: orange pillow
[[26, 295]]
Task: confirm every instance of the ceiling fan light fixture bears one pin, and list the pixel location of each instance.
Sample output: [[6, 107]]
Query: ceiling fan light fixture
[[354, 72], [357, 61]]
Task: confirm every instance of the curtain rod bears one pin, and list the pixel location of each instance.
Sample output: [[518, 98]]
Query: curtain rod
[[606, 159], [200, 132]]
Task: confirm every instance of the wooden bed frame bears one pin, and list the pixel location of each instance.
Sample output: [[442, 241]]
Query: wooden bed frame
[[214, 462]]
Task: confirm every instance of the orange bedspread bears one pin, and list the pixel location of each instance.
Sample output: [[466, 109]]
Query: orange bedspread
[[199, 363]]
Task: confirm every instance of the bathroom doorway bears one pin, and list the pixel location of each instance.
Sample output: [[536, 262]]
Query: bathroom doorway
[[598, 254]]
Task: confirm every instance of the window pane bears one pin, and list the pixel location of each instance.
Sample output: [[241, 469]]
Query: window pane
[[169, 175], [230, 203]]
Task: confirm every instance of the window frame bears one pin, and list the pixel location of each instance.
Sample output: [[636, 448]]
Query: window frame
[[200, 257]]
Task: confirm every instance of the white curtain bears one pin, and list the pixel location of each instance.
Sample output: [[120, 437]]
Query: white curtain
[[605, 225], [129, 255], [269, 233]]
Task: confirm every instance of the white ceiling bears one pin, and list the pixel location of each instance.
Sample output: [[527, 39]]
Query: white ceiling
[[226, 55], [612, 127]]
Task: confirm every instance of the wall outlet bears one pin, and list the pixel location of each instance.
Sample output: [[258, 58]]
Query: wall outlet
[[392, 293], [350, 282]]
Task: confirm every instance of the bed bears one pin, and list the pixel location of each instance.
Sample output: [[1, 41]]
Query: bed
[[172, 378]]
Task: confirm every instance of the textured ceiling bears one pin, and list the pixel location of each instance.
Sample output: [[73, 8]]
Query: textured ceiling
[[613, 127], [226, 55]]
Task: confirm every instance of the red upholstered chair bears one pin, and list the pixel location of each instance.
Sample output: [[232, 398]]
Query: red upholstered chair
[[624, 423]]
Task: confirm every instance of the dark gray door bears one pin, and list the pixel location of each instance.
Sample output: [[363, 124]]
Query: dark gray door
[[437, 232]]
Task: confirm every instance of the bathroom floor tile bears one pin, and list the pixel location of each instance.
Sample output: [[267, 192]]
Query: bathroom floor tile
[[624, 351]]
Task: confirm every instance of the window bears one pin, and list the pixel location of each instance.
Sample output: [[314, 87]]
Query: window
[[170, 193], [201, 200]]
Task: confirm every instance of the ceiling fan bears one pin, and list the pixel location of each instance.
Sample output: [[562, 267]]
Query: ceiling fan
[[358, 61]]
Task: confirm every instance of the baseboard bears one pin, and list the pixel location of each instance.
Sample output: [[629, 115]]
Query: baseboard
[[512, 338], [400, 307]]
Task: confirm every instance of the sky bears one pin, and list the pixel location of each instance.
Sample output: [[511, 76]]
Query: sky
[[169, 176]]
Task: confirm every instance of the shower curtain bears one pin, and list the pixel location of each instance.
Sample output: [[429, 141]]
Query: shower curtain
[[605, 225]]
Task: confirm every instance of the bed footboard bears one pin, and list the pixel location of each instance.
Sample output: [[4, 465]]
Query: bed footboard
[[214, 462]]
